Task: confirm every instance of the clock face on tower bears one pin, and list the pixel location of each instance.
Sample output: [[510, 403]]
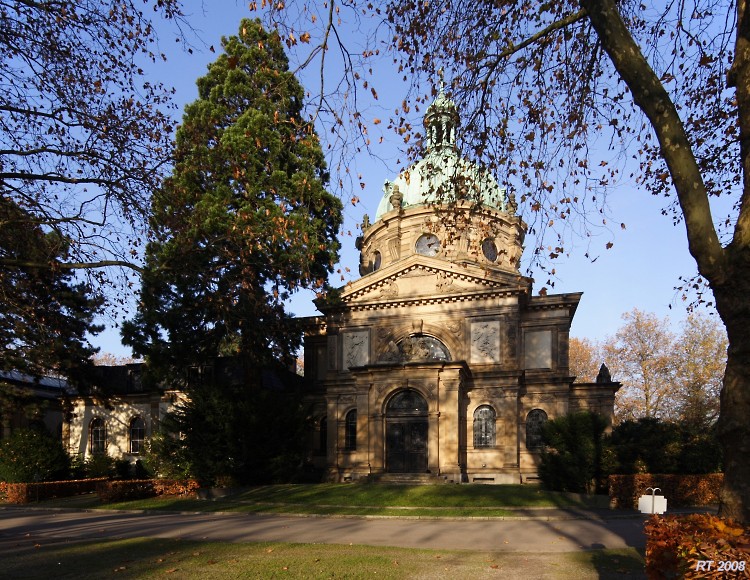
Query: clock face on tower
[[489, 249], [428, 245]]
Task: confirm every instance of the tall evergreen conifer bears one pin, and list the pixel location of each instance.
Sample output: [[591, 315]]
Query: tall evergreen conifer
[[243, 221]]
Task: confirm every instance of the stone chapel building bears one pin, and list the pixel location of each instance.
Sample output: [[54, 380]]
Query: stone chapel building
[[439, 363]]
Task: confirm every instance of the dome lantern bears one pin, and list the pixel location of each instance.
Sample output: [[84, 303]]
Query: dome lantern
[[440, 123]]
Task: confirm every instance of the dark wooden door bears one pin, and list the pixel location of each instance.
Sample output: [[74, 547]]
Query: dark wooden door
[[406, 445]]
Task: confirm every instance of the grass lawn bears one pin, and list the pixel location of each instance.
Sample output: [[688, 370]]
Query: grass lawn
[[152, 558], [160, 558], [363, 499]]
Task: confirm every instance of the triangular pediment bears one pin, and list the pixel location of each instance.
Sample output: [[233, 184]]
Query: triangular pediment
[[420, 277]]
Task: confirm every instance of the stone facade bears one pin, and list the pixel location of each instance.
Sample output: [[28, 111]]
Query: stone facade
[[439, 359], [118, 415]]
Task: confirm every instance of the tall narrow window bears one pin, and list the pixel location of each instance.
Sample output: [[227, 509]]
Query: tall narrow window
[[97, 436], [484, 427], [534, 422], [137, 435], [350, 431]]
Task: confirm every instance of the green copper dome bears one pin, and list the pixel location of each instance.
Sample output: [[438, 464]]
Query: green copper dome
[[442, 175]]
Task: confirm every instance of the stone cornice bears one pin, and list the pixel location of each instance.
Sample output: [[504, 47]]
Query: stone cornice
[[415, 265], [383, 304], [554, 302]]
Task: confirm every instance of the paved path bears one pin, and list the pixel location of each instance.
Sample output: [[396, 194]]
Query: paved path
[[540, 531]]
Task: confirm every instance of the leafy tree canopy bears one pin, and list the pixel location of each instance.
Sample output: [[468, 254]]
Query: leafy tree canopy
[[664, 374], [83, 136], [84, 139]]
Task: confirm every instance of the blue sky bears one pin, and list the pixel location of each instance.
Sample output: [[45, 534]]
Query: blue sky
[[641, 270]]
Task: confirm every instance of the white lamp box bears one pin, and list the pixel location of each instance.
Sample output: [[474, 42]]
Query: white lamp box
[[652, 504]]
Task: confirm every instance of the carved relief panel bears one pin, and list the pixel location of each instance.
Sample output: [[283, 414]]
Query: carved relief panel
[[356, 349], [485, 342]]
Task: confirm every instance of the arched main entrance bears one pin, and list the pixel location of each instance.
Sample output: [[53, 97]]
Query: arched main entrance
[[406, 433]]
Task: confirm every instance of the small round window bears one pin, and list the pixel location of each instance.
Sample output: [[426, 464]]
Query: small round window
[[489, 249]]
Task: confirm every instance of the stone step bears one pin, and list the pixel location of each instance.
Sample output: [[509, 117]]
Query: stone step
[[406, 478]]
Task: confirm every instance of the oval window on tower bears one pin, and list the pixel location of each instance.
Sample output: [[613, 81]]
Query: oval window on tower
[[489, 249], [377, 260]]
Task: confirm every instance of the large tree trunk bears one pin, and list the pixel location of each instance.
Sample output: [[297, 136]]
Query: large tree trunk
[[731, 287], [734, 418]]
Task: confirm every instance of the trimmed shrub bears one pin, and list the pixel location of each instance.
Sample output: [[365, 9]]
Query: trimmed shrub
[[100, 465], [123, 469], [574, 455], [165, 455], [696, 547], [111, 491], [32, 455], [650, 445]]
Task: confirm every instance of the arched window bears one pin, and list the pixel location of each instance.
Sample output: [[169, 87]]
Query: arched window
[[416, 348], [534, 421], [407, 402], [484, 427], [137, 435], [97, 436], [350, 431]]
